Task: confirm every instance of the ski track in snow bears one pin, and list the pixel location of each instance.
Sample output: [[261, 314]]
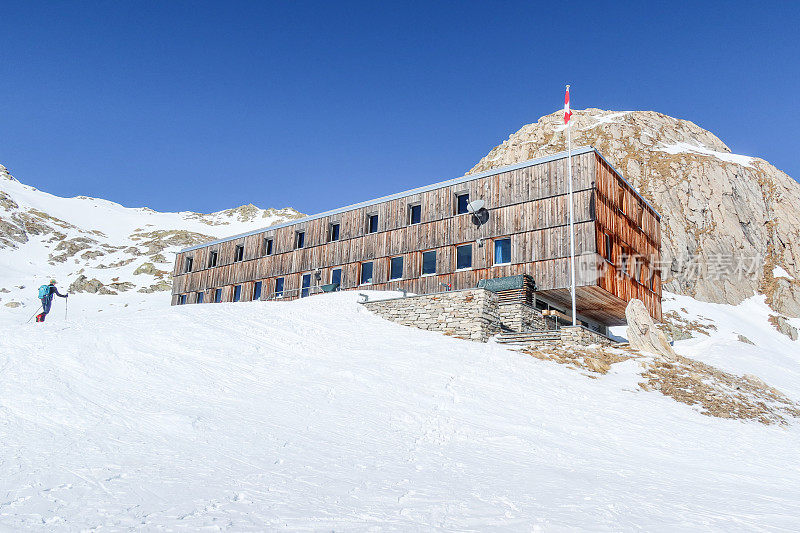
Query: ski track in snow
[[317, 415]]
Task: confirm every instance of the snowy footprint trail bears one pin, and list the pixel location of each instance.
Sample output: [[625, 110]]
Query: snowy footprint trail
[[315, 414]]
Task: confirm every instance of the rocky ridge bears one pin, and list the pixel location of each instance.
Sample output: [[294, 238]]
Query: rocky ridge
[[96, 246], [720, 211]]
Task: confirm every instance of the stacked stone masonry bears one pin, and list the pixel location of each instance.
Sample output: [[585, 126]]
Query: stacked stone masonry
[[583, 336], [476, 315], [468, 314], [520, 317]]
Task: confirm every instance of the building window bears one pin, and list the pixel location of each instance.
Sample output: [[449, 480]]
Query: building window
[[212, 259], [279, 288], [396, 268], [429, 262], [299, 239], [237, 293], [637, 268], [218, 296], [257, 291], [366, 273], [415, 214], [305, 286], [333, 232], [188, 264], [238, 253], [182, 299], [268, 246], [199, 297], [463, 256], [502, 251], [621, 197], [652, 280], [336, 276], [372, 223], [607, 238], [639, 215], [462, 200], [623, 261]]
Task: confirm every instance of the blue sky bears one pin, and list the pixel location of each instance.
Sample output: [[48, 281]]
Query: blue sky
[[203, 106]]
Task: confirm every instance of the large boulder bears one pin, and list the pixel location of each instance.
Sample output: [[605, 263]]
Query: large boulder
[[643, 333]]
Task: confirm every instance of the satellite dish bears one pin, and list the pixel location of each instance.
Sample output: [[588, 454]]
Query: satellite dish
[[475, 206], [480, 215]]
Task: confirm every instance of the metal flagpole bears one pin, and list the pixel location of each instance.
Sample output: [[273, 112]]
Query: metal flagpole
[[571, 221]]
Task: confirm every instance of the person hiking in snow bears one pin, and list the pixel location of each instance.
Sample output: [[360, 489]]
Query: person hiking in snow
[[46, 293]]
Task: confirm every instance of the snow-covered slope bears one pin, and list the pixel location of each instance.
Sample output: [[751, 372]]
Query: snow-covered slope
[[317, 415], [100, 246]]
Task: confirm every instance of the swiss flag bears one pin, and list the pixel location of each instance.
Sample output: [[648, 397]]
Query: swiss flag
[[567, 112]]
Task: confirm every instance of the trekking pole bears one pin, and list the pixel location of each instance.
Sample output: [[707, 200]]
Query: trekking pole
[[66, 308], [34, 314]]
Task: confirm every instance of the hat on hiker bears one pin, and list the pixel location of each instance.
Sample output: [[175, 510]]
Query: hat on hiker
[[52, 282]]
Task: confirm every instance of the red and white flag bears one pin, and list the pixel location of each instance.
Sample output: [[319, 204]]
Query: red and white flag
[[567, 112]]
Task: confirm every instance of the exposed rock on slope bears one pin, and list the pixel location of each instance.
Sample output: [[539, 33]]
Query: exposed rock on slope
[[718, 208], [100, 247]]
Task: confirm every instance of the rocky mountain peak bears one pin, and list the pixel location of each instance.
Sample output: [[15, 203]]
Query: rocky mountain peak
[[5, 174], [721, 212]]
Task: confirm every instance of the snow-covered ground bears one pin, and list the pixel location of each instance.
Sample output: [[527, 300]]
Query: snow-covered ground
[[317, 415]]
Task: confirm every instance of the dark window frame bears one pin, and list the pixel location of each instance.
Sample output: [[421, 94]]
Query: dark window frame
[[494, 250], [219, 297], [459, 196], [279, 290], [305, 290], [238, 253], [609, 244], [181, 299], [422, 262], [299, 239], [411, 208], [392, 265], [361, 273], [199, 297], [258, 291], [460, 246], [188, 262], [372, 217], [213, 258], [330, 278], [269, 245], [334, 231]]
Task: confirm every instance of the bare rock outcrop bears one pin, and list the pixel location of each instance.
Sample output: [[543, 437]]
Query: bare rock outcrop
[[642, 332], [728, 220], [782, 324], [92, 286]]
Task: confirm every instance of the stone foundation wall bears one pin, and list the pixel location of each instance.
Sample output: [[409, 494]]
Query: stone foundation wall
[[474, 314], [467, 314], [581, 335], [521, 317]]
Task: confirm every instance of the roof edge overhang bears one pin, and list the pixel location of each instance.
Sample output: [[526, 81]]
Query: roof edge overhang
[[456, 181]]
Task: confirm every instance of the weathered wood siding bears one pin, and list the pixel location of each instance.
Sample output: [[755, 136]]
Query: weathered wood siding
[[634, 231], [528, 205]]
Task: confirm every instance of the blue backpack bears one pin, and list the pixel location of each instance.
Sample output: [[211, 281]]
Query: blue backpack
[[44, 291]]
